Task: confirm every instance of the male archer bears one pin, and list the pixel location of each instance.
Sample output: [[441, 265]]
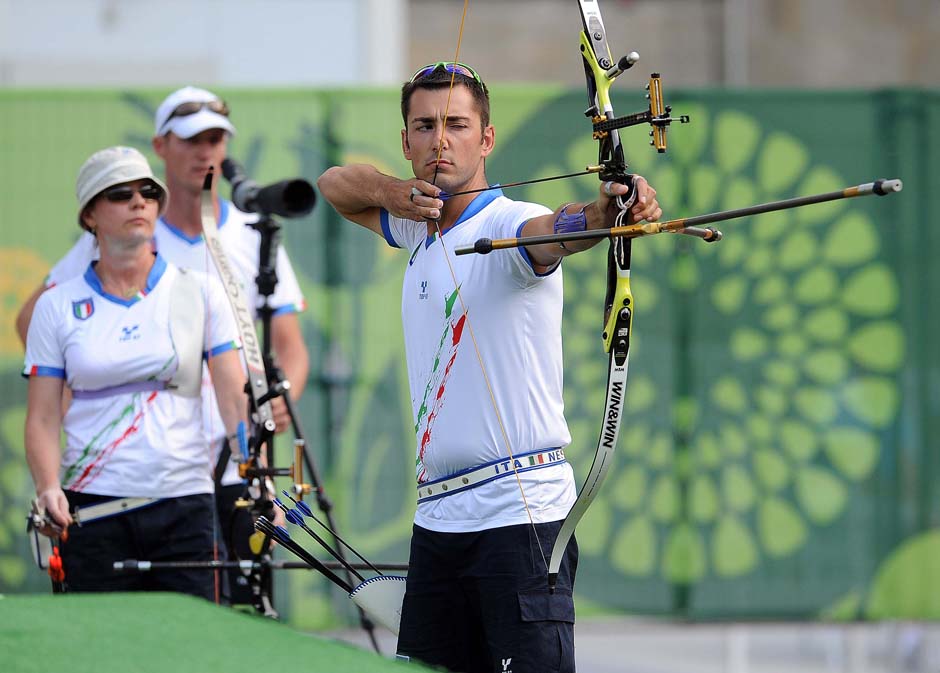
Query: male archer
[[484, 355]]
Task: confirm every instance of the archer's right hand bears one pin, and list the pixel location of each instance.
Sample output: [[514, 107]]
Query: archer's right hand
[[414, 200]]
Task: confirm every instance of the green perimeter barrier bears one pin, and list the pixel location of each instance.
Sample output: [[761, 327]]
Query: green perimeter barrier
[[777, 455]]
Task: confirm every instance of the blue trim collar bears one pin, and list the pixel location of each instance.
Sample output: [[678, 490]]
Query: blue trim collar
[[482, 200], [156, 273]]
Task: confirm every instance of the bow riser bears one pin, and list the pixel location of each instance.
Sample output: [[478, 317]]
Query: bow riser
[[610, 152]]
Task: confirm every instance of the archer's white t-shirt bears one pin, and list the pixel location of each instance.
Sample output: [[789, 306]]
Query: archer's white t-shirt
[[241, 244], [146, 444], [515, 315]]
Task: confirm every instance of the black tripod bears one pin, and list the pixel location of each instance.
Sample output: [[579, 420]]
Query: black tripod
[[278, 386]]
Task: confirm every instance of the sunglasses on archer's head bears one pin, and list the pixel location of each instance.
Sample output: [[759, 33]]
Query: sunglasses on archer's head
[[192, 107], [448, 66], [123, 193]]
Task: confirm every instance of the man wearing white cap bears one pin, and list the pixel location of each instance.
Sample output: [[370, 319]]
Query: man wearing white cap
[[191, 132]]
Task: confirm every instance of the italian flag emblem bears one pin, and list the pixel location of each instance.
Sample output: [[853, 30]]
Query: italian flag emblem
[[83, 308]]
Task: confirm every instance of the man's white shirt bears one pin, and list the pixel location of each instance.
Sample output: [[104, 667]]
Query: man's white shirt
[[241, 244], [515, 315]]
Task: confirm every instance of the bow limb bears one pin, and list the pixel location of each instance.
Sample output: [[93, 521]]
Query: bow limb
[[251, 349], [618, 316], [261, 416], [617, 329]]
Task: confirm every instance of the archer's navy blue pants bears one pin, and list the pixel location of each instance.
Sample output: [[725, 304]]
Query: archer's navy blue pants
[[173, 529], [479, 602]]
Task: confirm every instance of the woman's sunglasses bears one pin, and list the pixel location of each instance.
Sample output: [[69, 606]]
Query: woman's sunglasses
[[124, 193]]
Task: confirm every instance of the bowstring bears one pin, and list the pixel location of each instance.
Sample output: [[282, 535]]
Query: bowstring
[[463, 306]]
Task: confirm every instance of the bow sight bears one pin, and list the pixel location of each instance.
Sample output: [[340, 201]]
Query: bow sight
[[599, 73], [658, 115]]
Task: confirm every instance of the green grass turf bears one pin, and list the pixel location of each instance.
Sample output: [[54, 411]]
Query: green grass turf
[[144, 632]]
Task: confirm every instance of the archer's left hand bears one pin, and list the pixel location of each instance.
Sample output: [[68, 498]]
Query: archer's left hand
[[645, 207]]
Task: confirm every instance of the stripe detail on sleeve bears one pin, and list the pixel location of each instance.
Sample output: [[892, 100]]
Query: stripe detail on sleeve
[[291, 308], [222, 348], [39, 370], [386, 229]]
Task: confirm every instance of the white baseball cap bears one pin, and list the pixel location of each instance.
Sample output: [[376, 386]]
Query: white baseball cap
[[189, 111], [113, 166]]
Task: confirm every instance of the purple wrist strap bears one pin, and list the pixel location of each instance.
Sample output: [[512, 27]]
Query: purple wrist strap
[[566, 224]]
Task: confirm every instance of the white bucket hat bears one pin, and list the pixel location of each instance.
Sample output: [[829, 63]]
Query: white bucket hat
[[113, 166], [188, 124]]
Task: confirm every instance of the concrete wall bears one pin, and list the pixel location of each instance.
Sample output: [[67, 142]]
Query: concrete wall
[[803, 43]]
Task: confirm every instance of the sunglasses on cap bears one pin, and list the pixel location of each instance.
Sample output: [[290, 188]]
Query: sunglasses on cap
[[124, 193], [192, 107], [450, 67]]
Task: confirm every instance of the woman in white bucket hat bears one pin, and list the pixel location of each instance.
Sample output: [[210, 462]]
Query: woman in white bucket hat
[[128, 337]]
